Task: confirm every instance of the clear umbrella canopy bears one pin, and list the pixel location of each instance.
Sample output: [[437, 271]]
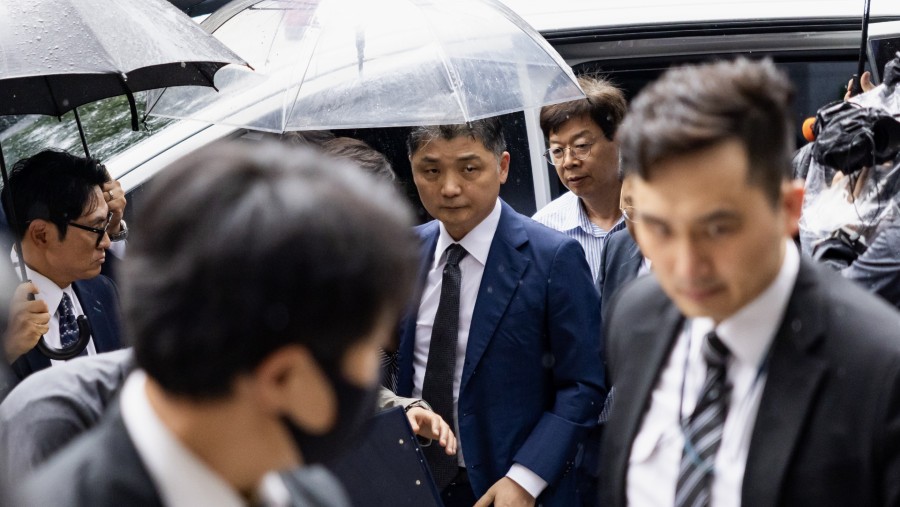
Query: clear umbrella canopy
[[324, 64]]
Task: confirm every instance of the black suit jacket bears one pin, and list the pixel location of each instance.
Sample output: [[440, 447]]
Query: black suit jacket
[[828, 428], [100, 301]]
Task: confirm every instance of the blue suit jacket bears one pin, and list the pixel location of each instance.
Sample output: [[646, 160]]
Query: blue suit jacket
[[100, 301], [533, 380]]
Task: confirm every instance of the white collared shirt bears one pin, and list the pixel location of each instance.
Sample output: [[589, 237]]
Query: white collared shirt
[[477, 244], [181, 479], [566, 214], [52, 295], [657, 449]]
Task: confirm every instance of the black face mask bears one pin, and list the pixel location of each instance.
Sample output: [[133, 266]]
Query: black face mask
[[355, 405]]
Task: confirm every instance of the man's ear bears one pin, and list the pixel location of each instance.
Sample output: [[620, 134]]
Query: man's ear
[[792, 204], [39, 231], [504, 166], [290, 382]]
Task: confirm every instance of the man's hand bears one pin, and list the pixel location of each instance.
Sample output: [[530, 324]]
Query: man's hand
[[28, 321], [115, 199], [506, 493], [428, 424], [865, 83]]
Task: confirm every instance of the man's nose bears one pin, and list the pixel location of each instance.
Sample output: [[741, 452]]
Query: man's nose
[[691, 261], [105, 242], [450, 187], [569, 157]]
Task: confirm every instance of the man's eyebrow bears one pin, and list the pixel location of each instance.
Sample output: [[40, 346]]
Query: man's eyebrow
[[467, 156], [574, 136], [719, 215]]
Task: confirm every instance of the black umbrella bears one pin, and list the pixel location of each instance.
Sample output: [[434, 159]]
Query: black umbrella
[[56, 56]]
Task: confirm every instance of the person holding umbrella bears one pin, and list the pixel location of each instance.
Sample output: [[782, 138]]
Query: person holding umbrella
[[64, 220]]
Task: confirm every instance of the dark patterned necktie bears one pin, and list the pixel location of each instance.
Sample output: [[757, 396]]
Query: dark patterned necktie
[[68, 326], [437, 388], [703, 431]]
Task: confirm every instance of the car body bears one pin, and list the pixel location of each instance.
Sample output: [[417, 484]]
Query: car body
[[816, 42]]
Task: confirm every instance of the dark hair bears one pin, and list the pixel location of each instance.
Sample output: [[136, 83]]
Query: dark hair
[[248, 248], [604, 103], [488, 131], [368, 158], [691, 108], [54, 186], [304, 138]]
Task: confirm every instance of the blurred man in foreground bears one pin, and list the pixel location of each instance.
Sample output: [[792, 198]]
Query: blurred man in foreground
[[744, 374], [257, 325]]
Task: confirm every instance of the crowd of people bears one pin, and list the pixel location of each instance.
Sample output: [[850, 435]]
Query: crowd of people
[[658, 335]]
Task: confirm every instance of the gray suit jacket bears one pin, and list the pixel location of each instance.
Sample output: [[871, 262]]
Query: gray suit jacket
[[828, 428], [103, 469], [54, 405]]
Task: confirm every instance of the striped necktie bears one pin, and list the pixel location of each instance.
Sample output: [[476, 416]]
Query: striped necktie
[[703, 430]]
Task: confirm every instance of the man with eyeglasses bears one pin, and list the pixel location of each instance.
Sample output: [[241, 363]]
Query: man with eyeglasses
[[67, 211], [583, 151]]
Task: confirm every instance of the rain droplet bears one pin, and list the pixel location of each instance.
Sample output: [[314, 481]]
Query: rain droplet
[[183, 65]]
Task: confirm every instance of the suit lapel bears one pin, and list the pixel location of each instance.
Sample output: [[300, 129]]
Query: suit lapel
[[793, 380], [97, 315], [503, 270], [635, 383]]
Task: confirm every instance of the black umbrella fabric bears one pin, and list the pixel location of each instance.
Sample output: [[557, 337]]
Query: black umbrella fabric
[[56, 56]]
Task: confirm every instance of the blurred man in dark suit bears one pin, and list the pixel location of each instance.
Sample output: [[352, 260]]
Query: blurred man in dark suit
[[257, 327], [744, 375]]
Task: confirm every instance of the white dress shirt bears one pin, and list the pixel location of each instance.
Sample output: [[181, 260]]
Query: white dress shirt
[[52, 295], [180, 478], [477, 244], [657, 449]]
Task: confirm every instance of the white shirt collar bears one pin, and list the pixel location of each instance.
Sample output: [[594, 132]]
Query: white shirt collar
[[477, 242], [761, 317], [180, 477]]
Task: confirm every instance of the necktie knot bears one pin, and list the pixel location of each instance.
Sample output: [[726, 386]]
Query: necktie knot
[[455, 253], [714, 351]]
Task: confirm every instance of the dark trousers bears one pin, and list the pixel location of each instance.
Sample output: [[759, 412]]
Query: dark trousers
[[459, 493]]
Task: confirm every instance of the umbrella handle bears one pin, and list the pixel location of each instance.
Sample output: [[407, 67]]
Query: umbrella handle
[[63, 354]]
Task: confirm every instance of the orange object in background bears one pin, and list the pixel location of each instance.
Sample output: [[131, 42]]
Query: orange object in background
[[808, 132]]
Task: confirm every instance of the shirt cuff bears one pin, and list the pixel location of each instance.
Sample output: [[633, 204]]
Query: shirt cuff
[[530, 481], [118, 249]]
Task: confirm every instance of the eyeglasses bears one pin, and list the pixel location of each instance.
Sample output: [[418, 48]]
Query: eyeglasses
[[629, 213], [580, 151], [99, 232]]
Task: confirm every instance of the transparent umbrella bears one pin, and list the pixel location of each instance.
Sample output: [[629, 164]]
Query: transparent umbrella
[[57, 55], [326, 64]]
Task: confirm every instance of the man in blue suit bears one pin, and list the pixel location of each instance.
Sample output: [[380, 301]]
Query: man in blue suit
[[503, 341], [64, 223]]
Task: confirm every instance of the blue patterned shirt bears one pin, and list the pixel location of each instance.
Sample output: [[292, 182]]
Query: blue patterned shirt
[[567, 215]]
